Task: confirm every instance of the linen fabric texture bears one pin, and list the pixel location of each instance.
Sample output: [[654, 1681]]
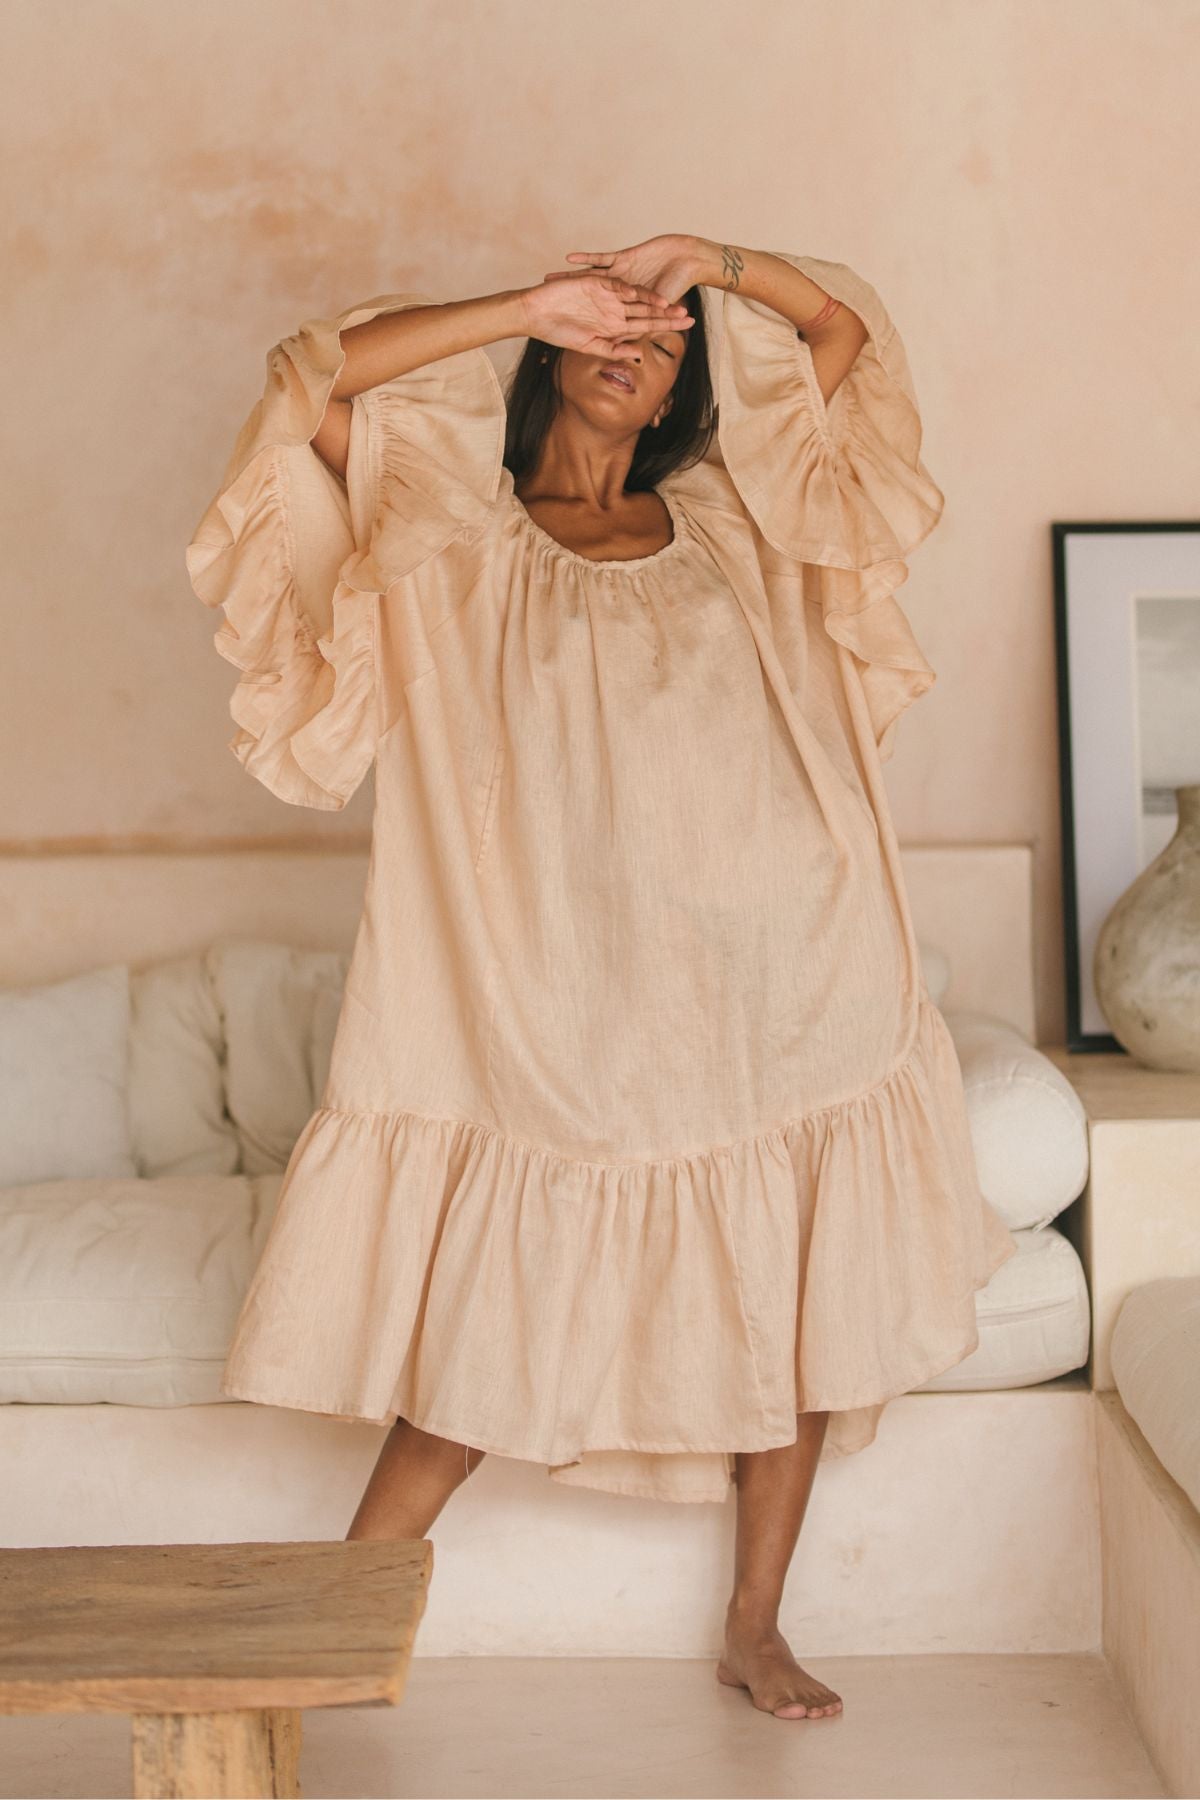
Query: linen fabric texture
[[641, 1132]]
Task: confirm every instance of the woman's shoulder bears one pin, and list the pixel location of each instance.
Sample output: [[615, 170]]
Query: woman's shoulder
[[433, 463], [704, 484]]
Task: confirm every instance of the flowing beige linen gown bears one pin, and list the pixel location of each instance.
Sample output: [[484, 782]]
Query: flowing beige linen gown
[[642, 1133]]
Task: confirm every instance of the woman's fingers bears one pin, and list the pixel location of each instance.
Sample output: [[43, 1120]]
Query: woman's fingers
[[645, 326], [650, 297], [663, 302], [627, 290], [648, 318], [654, 310], [613, 304]]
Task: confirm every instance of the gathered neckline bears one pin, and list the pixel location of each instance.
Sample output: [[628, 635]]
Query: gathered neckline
[[610, 562]]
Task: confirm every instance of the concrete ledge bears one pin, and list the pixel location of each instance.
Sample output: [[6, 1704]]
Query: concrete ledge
[[969, 1525]]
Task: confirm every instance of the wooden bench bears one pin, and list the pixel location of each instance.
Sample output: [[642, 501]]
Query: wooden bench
[[215, 1649]]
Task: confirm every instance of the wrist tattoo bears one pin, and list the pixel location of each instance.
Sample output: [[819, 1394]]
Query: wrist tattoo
[[732, 263]]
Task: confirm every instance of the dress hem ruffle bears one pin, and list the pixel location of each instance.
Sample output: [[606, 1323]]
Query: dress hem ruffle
[[843, 1403], [563, 1471], [565, 1311]]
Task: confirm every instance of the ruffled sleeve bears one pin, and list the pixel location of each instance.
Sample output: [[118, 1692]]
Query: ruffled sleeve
[[299, 559], [841, 489]]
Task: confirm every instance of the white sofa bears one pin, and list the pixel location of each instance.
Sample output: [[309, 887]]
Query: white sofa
[[148, 1116]]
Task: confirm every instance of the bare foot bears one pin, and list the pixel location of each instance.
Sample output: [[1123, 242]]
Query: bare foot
[[760, 1660]]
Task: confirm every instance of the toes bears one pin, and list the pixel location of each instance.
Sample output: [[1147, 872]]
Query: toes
[[813, 1708]]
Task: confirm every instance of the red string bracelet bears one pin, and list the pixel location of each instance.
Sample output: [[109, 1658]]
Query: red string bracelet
[[830, 307]]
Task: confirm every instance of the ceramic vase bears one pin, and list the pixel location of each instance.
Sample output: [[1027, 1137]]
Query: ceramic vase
[[1147, 962]]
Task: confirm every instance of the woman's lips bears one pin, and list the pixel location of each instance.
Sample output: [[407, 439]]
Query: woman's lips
[[626, 386]]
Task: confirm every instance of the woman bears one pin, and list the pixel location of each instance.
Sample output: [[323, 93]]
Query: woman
[[643, 1152]]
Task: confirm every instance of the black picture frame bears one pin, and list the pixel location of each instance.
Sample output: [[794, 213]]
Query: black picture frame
[[1084, 892]]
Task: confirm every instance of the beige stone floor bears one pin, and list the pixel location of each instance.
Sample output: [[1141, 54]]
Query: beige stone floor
[[929, 1726]]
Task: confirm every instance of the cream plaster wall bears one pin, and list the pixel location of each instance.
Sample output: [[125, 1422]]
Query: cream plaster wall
[[185, 183]]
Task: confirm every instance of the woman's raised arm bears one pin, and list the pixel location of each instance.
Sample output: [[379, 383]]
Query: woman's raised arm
[[591, 312], [395, 343], [833, 333]]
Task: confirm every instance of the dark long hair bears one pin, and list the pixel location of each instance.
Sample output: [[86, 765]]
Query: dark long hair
[[681, 440]]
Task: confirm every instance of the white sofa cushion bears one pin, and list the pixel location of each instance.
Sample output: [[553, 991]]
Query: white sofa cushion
[[1034, 1319], [176, 1073], [64, 1078], [1028, 1125], [267, 995], [1155, 1351], [126, 1290]]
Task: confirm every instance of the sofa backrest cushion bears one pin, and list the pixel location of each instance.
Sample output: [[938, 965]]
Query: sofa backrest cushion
[[64, 1078], [1029, 1127], [275, 1004], [177, 1072]]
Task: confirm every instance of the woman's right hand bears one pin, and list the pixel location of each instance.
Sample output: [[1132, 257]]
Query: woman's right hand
[[599, 314]]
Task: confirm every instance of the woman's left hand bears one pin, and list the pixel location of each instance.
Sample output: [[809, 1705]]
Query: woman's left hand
[[670, 264]]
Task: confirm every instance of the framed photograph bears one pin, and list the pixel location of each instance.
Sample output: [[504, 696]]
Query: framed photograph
[[1127, 637]]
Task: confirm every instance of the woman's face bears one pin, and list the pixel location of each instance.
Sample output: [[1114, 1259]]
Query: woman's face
[[628, 394]]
